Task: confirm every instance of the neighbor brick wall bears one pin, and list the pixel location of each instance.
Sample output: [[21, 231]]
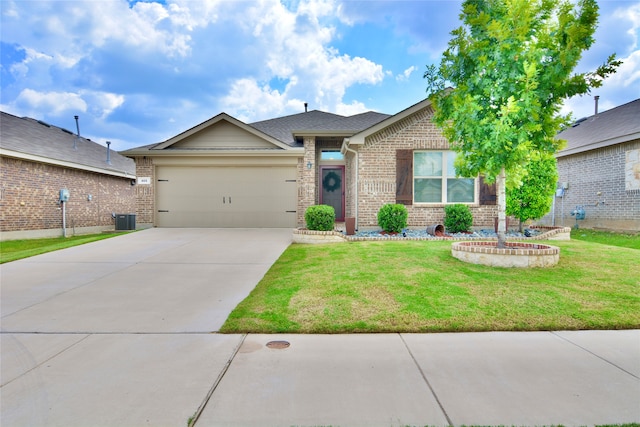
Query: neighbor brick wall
[[30, 193], [594, 171], [377, 172]]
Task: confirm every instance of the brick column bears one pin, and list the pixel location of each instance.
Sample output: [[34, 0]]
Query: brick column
[[145, 198], [307, 193]]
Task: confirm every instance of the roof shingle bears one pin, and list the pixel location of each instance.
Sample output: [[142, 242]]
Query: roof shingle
[[603, 129], [282, 128], [32, 137]]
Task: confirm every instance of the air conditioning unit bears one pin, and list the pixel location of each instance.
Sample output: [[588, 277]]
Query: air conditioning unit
[[125, 222]]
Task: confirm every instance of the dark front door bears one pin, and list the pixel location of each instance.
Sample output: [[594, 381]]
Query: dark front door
[[332, 189]]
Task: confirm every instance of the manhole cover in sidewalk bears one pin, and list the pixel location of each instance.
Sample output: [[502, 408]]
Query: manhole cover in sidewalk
[[278, 344]]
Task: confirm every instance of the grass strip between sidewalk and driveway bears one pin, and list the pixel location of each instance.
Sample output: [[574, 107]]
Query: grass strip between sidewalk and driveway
[[417, 286]]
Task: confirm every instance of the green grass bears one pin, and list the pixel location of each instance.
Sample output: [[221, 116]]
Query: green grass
[[417, 286], [625, 240], [13, 250]]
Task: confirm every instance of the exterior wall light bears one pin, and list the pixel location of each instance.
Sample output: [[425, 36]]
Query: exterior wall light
[[309, 165]]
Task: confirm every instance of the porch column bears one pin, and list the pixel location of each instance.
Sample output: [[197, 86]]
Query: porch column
[[307, 188]]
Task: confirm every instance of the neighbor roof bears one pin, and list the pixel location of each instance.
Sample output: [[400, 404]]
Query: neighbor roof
[[35, 140], [615, 126]]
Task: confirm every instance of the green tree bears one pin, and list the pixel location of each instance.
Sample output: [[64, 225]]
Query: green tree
[[511, 66], [532, 200]]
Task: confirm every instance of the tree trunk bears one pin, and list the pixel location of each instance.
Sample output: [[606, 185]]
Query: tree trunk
[[502, 208]]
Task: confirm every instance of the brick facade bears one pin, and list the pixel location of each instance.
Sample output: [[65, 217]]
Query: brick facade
[[377, 172], [29, 199], [307, 185], [589, 173], [145, 196]]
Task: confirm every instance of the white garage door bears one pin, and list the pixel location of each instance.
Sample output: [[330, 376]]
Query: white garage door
[[253, 197]]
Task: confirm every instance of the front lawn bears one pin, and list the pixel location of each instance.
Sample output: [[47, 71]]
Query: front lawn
[[417, 286], [625, 240]]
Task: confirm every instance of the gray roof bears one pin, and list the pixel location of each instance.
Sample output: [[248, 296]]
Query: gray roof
[[283, 128], [44, 142], [615, 126]]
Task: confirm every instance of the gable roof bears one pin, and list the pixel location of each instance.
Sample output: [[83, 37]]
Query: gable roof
[[34, 140], [282, 128], [281, 131], [317, 122], [615, 126], [350, 124], [212, 121], [359, 138]]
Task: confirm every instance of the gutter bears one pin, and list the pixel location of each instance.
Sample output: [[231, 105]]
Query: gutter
[[66, 164], [343, 149], [598, 144]]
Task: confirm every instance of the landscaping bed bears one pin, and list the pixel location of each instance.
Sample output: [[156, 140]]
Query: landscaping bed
[[302, 235]]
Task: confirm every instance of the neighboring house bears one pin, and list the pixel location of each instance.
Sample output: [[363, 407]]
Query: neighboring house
[[38, 160], [600, 171], [226, 173]]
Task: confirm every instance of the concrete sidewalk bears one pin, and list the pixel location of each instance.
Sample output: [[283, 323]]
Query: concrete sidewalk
[[545, 378], [122, 332]]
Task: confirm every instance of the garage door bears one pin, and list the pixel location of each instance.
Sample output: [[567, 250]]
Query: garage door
[[253, 197]]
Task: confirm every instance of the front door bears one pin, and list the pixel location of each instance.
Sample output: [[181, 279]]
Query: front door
[[332, 189]]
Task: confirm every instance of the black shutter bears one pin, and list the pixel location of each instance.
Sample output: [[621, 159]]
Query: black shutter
[[404, 177], [487, 193]]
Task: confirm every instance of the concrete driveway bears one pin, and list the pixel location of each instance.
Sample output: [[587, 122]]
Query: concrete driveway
[[122, 331]]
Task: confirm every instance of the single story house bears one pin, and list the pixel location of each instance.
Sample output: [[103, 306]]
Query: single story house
[[38, 160], [599, 171], [226, 173]]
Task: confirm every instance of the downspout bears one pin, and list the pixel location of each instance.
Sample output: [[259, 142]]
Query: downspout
[[345, 147]]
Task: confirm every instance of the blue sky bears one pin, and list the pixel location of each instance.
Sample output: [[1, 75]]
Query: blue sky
[[141, 72]]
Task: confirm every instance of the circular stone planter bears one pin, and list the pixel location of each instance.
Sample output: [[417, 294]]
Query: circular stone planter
[[516, 254]]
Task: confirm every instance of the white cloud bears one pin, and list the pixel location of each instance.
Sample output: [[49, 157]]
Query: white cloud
[[75, 29], [32, 103], [57, 103], [247, 101], [297, 50], [356, 107], [628, 73], [102, 104], [406, 73], [631, 14]]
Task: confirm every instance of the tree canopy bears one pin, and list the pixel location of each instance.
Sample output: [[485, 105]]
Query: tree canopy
[[532, 200], [511, 67]]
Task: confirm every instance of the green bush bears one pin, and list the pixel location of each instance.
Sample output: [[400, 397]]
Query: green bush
[[320, 217], [457, 218], [392, 218]]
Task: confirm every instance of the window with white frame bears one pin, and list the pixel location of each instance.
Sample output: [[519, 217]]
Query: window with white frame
[[435, 181]]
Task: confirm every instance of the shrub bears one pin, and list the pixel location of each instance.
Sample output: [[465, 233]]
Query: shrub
[[320, 217], [392, 218], [457, 218]]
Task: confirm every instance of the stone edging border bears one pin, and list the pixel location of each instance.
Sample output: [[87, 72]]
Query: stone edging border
[[519, 248], [515, 254], [312, 236]]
